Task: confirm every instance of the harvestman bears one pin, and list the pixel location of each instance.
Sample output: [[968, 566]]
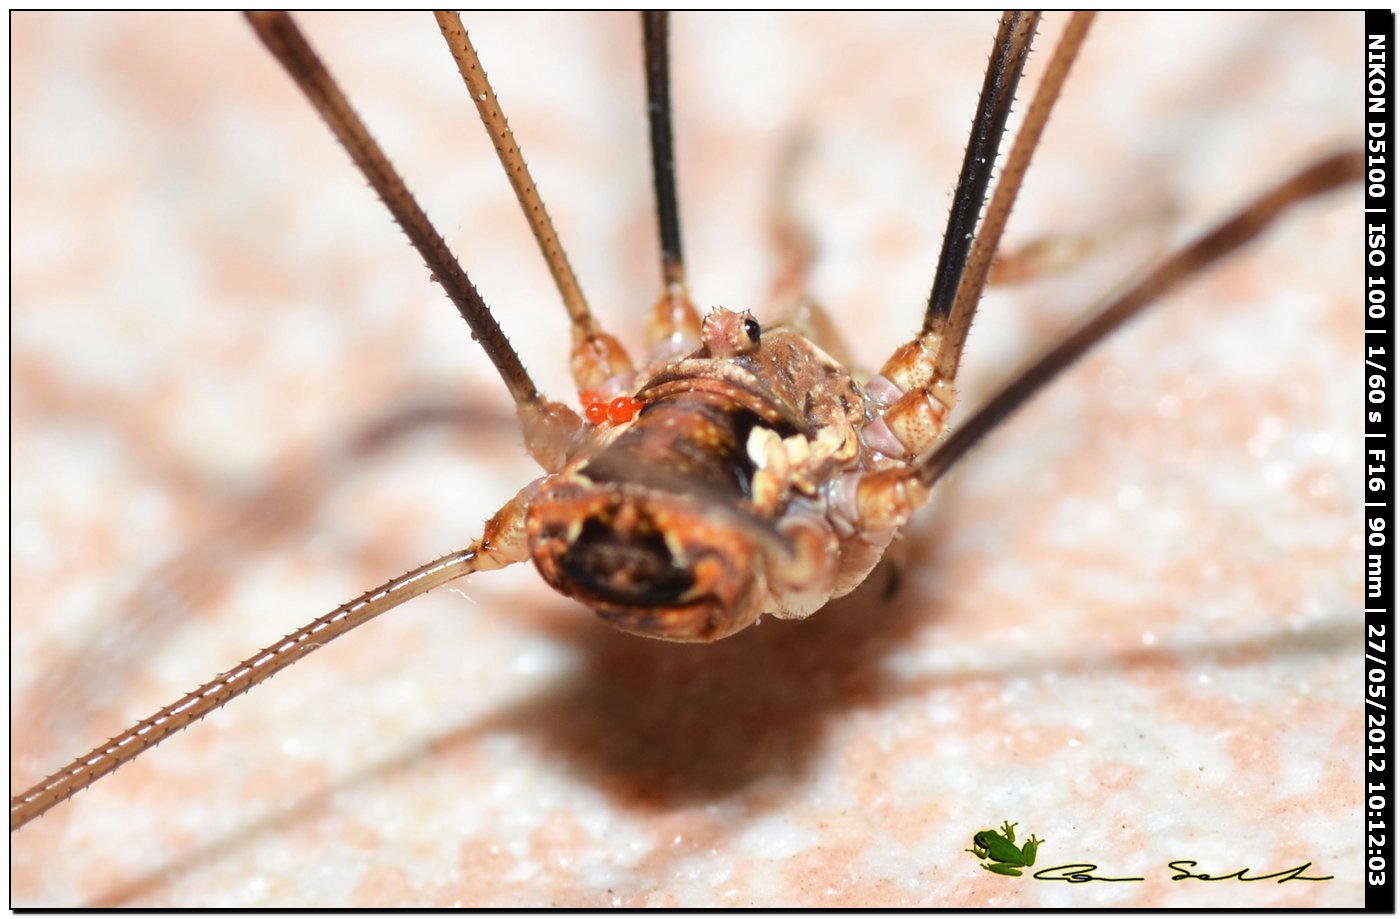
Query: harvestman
[[1337, 170]]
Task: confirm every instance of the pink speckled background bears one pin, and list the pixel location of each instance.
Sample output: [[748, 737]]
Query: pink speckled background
[[1130, 622]]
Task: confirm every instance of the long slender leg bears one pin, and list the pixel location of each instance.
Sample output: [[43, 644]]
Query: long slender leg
[[974, 276], [674, 323], [502, 543], [1009, 52], [1321, 177], [597, 356], [887, 498], [920, 374], [548, 425]]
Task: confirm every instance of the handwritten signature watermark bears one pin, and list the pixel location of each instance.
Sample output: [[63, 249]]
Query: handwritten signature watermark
[[999, 854]]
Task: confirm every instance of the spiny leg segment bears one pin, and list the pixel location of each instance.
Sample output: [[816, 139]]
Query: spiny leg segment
[[502, 543], [915, 400], [1246, 225], [887, 498], [656, 46], [890, 496], [549, 427], [674, 323], [597, 356], [974, 275], [1008, 61]]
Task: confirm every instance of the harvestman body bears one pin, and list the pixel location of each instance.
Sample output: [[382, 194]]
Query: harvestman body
[[788, 460]]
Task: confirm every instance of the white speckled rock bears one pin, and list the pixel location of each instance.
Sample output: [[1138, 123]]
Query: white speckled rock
[[1127, 623]]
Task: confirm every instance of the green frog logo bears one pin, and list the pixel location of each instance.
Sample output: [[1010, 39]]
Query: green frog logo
[[1000, 852]]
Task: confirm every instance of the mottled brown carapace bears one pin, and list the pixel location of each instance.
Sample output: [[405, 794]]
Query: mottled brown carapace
[[712, 507]]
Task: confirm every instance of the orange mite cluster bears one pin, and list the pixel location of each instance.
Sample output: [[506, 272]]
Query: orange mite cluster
[[602, 411]]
